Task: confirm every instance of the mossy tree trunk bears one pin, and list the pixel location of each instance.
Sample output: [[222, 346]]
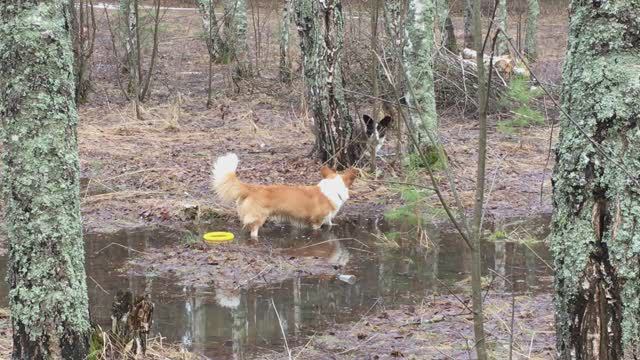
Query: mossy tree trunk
[[285, 23], [321, 29], [530, 41], [236, 36], [48, 293], [419, 67], [596, 197]]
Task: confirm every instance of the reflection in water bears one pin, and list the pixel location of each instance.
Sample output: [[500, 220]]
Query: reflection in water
[[236, 324]]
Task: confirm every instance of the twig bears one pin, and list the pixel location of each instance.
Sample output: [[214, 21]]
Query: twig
[[98, 285], [284, 336], [125, 247], [454, 295], [116, 56], [400, 183], [538, 256], [263, 271], [331, 240]]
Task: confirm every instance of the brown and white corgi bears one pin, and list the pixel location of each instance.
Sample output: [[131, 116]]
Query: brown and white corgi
[[313, 205]]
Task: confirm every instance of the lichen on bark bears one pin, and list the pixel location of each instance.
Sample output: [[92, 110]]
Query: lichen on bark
[[48, 294], [419, 66], [596, 179], [321, 28], [235, 29]]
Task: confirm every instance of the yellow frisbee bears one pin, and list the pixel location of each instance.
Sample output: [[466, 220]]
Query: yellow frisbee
[[218, 236]]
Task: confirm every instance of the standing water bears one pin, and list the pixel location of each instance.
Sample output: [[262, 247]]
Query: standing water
[[383, 267]]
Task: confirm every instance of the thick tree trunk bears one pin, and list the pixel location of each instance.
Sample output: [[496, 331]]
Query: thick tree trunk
[[236, 36], [285, 23], [502, 46], [419, 66], [530, 41], [48, 295], [215, 44], [321, 29], [596, 200]]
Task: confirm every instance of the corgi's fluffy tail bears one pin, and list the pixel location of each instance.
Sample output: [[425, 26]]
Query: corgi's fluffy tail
[[225, 182]]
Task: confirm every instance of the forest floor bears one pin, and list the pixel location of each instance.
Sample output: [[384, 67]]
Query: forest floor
[[439, 328], [155, 170]]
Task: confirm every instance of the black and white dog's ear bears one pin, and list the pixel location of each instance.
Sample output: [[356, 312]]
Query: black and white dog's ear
[[369, 123], [384, 124]]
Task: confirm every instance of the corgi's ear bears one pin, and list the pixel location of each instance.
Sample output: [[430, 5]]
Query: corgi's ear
[[326, 172], [369, 123], [385, 122], [349, 176]]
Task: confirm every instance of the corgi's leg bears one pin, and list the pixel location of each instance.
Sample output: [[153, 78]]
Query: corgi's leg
[[255, 226]]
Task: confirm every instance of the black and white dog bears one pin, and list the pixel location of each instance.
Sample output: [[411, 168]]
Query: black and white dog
[[376, 132]]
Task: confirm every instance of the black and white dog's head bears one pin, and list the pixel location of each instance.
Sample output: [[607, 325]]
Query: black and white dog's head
[[377, 132]]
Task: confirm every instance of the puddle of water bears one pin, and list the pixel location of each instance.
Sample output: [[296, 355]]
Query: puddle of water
[[239, 324]]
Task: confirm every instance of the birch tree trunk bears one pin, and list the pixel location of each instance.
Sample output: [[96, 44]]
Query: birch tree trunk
[[321, 29], [215, 44], [236, 36], [419, 67], [502, 46], [48, 293], [285, 23], [395, 19], [530, 41], [595, 241], [128, 21]]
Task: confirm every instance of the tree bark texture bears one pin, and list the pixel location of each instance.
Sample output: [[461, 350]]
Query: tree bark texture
[[285, 24], [478, 211], [595, 241], [48, 293], [128, 22], [215, 45], [236, 36], [321, 29], [419, 67], [468, 28], [502, 45], [530, 41]]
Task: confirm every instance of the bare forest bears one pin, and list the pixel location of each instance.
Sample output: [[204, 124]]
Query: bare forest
[[335, 179]]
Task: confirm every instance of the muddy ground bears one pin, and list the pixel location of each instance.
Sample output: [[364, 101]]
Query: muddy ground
[[441, 327]]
